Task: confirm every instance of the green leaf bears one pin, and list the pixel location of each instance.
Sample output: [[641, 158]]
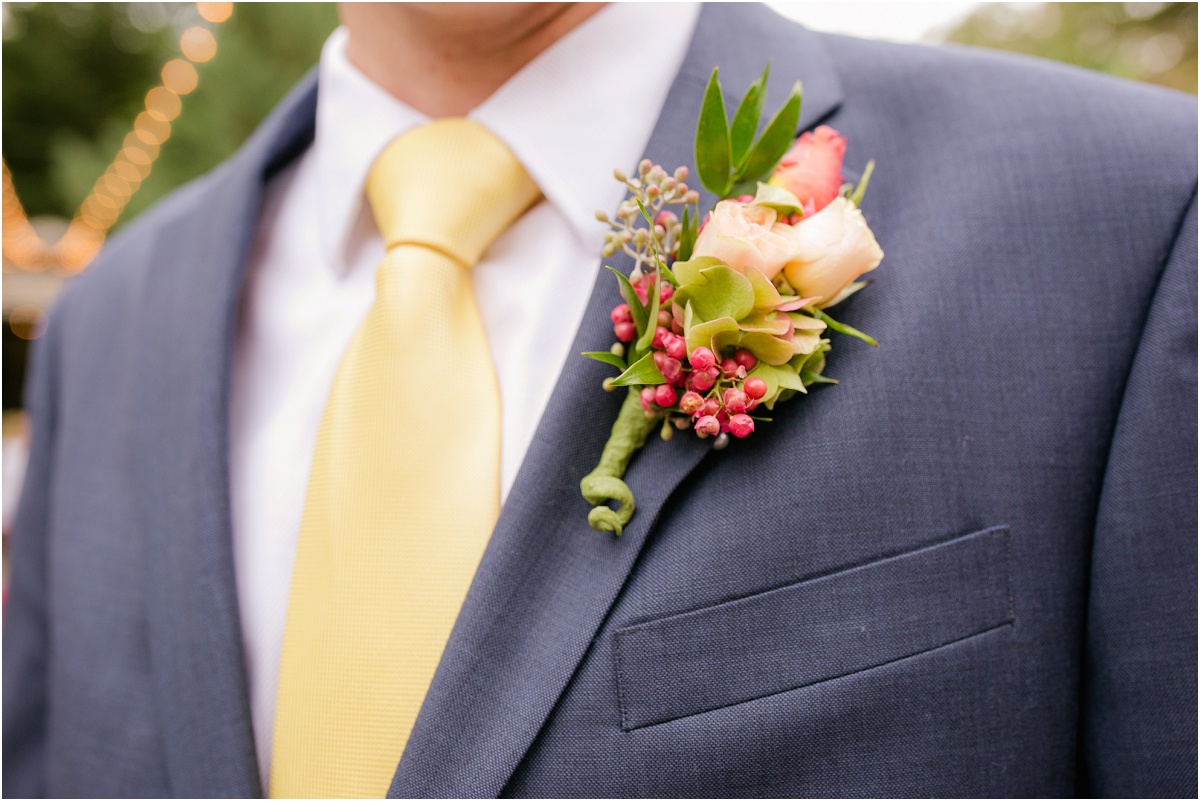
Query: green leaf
[[645, 213], [842, 328], [636, 309], [712, 140], [647, 337], [606, 357], [643, 372], [857, 195], [701, 334], [774, 142], [721, 292], [745, 119], [783, 202], [666, 273], [687, 237]]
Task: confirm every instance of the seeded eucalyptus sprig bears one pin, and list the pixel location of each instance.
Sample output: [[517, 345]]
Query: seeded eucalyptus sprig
[[729, 160]]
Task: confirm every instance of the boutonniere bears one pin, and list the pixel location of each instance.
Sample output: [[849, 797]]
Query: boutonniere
[[722, 319]]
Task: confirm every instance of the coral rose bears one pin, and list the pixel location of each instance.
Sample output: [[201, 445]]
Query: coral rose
[[832, 248], [744, 235], [812, 169]]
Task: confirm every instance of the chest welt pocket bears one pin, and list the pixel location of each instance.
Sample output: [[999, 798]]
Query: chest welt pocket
[[814, 630]]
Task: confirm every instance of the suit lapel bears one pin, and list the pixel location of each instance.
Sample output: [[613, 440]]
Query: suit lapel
[[190, 300], [547, 581]]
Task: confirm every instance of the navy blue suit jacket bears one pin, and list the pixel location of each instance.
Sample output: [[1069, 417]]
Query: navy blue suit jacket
[[967, 569]]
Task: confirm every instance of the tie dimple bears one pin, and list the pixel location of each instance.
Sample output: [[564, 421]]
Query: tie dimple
[[404, 487]]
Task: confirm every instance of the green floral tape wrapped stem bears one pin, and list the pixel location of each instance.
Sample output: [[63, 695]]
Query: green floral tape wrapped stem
[[604, 485]]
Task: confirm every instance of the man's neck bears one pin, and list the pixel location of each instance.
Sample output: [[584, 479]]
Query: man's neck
[[444, 59]]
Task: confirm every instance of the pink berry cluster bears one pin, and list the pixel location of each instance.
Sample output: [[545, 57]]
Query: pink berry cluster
[[715, 394]]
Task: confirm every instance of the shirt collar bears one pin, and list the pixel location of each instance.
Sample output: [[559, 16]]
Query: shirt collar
[[557, 114]]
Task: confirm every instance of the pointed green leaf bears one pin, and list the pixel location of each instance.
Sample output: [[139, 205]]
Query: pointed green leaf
[[687, 237], [643, 372], [636, 309], [842, 328], [712, 140], [647, 337], [645, 213], [857, 195], [773, 143], [745, 119], [701, 334], [606, 357]]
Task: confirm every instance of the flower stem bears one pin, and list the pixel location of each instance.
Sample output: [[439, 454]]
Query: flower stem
[[604, 484]]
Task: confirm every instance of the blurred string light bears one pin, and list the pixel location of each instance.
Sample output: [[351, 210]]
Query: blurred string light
[[22, 246]]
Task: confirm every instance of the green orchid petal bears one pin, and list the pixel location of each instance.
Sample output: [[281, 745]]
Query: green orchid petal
[[688, 272], [766, 296], [783, 202], [766, 323], [724, 293], [702, 334], [767, 348]]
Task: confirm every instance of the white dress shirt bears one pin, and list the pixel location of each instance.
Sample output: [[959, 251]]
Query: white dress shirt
[[583, 107]]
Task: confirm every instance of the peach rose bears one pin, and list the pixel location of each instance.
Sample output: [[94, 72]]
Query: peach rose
[[743, 235], [812, 169], [832, 248]]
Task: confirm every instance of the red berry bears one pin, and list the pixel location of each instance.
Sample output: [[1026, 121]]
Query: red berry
[[659, 333], [665, 396], [677, 327], [666, 292], [672, 369], [702, 381], [647, 398], [621, 314], [708, 426], [709, 407], [677, 347], [741, 425], [755, 388], [690, 403], [665, 319], [729, 368], [745, 358], [735, 400], [702, 358], [625, 331]]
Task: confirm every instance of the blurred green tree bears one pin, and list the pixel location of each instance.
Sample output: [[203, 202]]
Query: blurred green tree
[[1153, 42], [70, 70], [69, 106]]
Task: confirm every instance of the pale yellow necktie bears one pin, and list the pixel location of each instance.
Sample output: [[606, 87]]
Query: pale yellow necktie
[[404, 488]]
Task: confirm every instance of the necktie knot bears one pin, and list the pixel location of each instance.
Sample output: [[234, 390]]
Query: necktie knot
[[449, 185]]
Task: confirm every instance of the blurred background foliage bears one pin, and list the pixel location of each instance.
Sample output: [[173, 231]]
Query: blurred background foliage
[[75, 75], [1153, 42]]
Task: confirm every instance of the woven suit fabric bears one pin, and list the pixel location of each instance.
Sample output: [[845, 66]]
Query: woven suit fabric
[[404, 487]]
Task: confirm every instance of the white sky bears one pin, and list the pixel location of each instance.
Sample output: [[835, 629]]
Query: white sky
[[901, 22]]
